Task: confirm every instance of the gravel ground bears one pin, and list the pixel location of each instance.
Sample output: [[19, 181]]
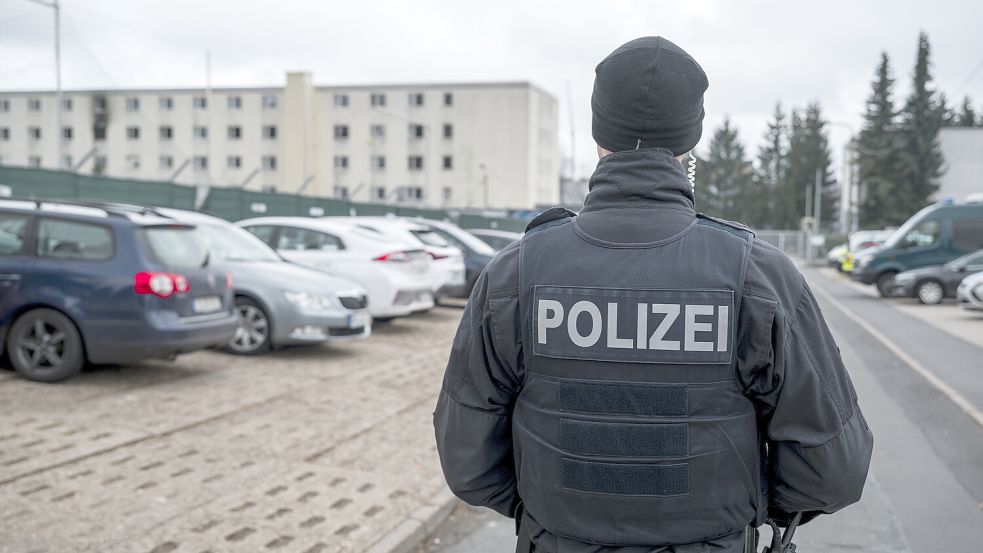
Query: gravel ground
[[308, 450]]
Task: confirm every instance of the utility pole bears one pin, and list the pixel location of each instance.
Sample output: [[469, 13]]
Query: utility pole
[[818, 205], [54, 5]]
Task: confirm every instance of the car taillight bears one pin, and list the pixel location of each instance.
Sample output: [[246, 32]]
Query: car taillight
[[401, 257], [162, 285], [436, 255], [229, 282]]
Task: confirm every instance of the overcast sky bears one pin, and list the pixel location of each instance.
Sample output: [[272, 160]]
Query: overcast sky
[[754, 52]]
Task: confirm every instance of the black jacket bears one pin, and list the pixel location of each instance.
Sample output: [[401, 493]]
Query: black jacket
[[787, 364]]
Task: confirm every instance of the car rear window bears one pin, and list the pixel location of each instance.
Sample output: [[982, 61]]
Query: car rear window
[[430, 238], [12, 230], [177, 246], [60, 239]]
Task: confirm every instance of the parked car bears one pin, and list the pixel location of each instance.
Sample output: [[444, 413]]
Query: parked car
[[448, 266], [477, 254], [933, 236], [930, 285], [397, 277], [837, 255], [279, 303], [970, 292], [497, 239], [104, 285]]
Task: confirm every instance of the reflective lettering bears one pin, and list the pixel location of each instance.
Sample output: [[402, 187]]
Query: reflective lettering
[[545, 321], [657, 341], [613, 340], [692, 327], [722, 331], [643, 326], [595, 331]]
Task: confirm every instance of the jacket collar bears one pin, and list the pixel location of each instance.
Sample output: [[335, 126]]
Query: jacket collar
[[650, 177]]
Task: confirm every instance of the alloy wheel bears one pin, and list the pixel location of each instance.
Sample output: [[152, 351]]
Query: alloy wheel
[[930, 292], [42, 345], [252, 330]]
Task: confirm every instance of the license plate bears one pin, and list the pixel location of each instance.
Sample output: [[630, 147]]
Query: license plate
[[206, 304], [358, 320]]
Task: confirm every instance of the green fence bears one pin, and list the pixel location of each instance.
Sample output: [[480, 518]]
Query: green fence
[[231, 204]]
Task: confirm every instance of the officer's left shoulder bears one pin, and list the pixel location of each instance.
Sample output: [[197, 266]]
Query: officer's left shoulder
[[739, 230], [550, 217]]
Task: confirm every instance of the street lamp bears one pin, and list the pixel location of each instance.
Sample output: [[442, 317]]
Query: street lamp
[[53, 4]]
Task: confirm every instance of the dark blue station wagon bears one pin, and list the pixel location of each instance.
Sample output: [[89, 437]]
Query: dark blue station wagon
[[104, 284]]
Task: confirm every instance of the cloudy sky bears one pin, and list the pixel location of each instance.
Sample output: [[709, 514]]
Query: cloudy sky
[[754, 52]]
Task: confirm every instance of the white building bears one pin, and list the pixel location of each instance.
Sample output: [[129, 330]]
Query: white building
[[962, 150], [441, 145]]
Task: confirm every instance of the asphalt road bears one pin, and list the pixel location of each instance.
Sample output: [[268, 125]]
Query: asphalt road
[[925, 490]]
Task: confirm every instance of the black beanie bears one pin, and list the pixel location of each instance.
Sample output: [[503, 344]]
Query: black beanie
[[650, 90]]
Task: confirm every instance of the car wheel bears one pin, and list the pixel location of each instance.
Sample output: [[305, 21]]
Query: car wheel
[[929, 292], [252, 334], [44, 345], [884, 284]]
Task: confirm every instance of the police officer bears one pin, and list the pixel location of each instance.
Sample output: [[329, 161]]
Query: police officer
[[639, 377]]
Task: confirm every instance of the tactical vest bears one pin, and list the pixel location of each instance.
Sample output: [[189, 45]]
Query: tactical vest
[[631, 429]]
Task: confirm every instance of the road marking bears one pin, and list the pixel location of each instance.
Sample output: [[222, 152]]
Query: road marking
[[936, 382]]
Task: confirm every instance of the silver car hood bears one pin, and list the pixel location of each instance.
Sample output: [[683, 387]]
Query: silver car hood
[[283, 275]]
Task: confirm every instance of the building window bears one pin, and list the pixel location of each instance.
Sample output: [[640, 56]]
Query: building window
[[132, 161], [66, 161], [99, 132], [200, 102], [66, 133], [269, 163], [200, 163], [378, 163], [33, 104], [201, 133], [133, 133], [34, 161], [269, 101], [67, 104], [341, 162], [100, 164], [4, 105], [378, 132], [340, 132], [447, 193], [5, 133], [448, 130], [341, 100], [341, 192], [165, 103], [234, 102], [133, 104], [234, 132], [448, 99], [416, 99], [34, 133], [410, 193], [166, 133], [269, 132], [448, 163], [379, 193], [415, 163], [416, 131], [100, 104], [234, 162], [378, 100], [165, 162]]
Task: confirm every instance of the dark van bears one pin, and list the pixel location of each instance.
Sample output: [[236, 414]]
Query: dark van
[[933, 236]]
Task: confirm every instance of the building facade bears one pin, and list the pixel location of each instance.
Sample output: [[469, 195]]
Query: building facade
[[487, 145], [962, 150]]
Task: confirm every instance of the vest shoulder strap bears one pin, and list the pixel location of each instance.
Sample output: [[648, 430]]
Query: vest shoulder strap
[[737, 229], [551, 217]]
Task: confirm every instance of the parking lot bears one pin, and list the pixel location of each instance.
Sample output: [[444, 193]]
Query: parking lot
[[310, 450]]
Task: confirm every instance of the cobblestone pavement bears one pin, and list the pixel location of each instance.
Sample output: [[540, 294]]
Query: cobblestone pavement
[[308, 450]]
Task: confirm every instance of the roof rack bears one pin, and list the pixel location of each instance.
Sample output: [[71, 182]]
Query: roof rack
[[117, 208]]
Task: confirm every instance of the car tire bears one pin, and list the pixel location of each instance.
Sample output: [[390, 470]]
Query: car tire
[[929, 292], [883, 283], [45, 346], [253, 327]]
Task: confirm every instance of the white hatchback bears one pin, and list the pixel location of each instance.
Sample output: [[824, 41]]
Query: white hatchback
[[449, 274], [398, 277]]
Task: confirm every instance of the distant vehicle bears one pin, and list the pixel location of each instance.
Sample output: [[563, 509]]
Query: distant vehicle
[[105, 285], [397, 277], [837, 255], [477, 254], [970, 292], [497, 239], [858, 242], [930, 285], [448, 266], [279, 303], [933, 236]]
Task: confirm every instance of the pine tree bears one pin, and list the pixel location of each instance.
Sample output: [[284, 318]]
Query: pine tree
[[725, 175], [769, 178], [921, 155], [878, 153], [967, 115], [808, 153], [949, 116]]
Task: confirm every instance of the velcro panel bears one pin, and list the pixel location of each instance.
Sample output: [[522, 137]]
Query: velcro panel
[[623, 479], [624, 440], [625, 399]]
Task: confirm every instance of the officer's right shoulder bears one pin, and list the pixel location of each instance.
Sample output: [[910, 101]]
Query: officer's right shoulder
[[502, 272], [772, 274]]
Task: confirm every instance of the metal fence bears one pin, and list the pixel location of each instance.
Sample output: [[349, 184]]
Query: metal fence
[[792, 242], [231, 204]]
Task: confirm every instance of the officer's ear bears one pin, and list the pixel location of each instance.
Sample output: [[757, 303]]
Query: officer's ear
[[602, 153]]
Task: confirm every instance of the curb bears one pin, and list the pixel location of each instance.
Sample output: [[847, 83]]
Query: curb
[[420, 524]]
